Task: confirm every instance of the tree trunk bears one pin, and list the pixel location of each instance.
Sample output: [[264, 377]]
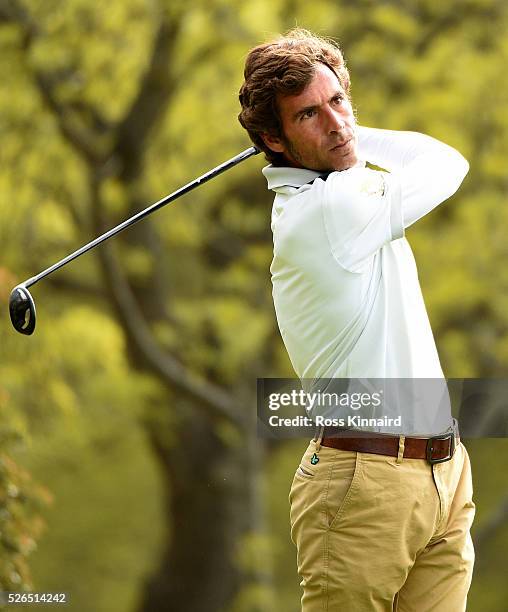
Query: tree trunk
[[208, 503]]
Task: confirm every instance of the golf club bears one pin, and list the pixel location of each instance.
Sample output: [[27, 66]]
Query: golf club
[[21, 303]]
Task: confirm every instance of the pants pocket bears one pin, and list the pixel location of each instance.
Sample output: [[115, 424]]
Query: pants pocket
[[342, 486], [308, 490], [304, 472]]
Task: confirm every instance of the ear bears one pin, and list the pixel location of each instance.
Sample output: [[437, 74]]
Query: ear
[[273, 142]]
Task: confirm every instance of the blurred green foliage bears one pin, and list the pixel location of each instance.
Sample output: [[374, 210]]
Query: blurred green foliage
[[73, 408], [20, 522]]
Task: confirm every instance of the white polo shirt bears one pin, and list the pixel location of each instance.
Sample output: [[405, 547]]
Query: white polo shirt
[[345, 285]]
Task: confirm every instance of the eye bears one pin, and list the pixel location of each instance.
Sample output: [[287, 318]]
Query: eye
[[308, 113], [337, 99]]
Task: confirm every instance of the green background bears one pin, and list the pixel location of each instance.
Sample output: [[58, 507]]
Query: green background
[[105, 108]]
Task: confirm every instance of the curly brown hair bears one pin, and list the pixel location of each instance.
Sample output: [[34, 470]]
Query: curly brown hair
[[283, 67]]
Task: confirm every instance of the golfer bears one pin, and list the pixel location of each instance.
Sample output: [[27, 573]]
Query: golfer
[[381, 522]]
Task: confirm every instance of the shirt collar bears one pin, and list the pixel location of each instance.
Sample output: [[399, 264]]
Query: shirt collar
[[279, 177]]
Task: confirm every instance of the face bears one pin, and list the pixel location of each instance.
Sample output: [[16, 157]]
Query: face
[[319, 128]]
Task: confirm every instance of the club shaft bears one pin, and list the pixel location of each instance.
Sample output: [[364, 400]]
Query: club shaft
[[144, 213]]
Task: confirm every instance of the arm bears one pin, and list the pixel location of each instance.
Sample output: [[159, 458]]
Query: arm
[[428, 171]]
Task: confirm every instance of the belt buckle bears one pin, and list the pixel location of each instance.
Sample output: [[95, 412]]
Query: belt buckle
[[430, 448]]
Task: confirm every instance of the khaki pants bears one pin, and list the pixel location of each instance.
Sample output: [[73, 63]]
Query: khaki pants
[[377, 534]]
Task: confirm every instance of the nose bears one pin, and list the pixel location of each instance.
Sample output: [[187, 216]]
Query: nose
[[335, 122]]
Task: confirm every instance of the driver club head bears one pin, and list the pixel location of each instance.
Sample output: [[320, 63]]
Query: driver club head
[[22, 310]]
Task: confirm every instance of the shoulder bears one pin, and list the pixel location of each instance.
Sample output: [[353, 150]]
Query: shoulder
[[357, 182], [354, 197]]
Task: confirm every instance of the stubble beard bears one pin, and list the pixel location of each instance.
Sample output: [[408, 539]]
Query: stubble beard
[[297, 157], [316, 166]]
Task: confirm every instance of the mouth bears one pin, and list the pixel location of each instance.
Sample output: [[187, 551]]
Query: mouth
[[341, 146]]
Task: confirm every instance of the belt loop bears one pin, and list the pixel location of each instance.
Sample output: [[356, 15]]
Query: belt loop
[[400, 454], [456, 431], [318, 439]]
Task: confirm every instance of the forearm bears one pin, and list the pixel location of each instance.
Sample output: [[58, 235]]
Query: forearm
[[428, 170], [393, 150]]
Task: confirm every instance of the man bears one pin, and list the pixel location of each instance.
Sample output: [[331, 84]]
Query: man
[[381, 521]]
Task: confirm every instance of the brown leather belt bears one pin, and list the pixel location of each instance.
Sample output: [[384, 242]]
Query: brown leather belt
[[435, 450]]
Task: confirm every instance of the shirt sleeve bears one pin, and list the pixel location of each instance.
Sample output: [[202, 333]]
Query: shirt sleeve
[[362, 212], [364, 209], [428, 171]]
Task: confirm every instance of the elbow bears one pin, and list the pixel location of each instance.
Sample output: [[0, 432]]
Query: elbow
[[464, 165], [458, 169], [452, 171]]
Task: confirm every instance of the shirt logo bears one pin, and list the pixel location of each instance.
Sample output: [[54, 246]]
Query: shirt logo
[[373, 184]]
